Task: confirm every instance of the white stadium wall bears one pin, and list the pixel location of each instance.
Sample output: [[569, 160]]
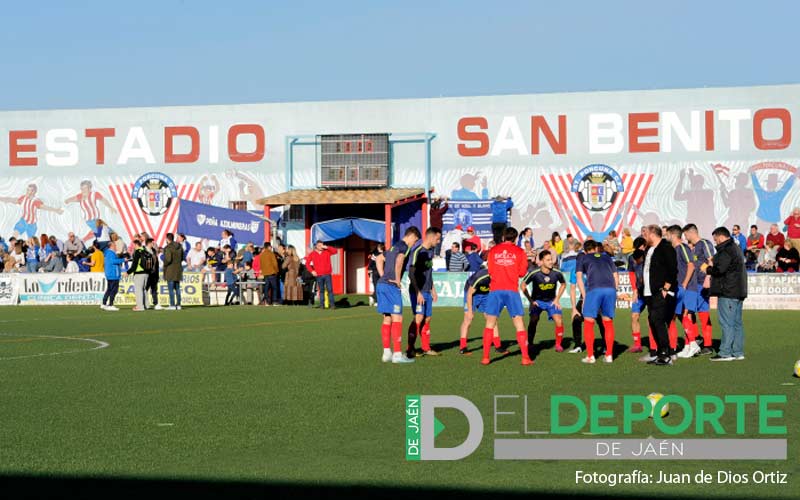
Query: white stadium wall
[[527, 146]]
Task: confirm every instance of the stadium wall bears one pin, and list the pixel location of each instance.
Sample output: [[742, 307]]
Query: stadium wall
[[712, 156]]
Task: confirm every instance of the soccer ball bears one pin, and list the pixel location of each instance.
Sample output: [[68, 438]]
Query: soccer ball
[[655, 397], [797, 368]]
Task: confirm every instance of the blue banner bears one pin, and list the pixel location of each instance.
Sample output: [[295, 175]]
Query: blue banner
[[207, 221], [477, 214]]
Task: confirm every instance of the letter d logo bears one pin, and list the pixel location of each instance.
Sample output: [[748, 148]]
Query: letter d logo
[[422, 427]]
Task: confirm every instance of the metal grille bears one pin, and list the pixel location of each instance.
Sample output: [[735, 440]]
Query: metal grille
[[354, 160]]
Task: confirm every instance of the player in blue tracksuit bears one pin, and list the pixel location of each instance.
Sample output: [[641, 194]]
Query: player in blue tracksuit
[[686, 267], [697, 300], [421, 291], [577, 303], [547, 285], [600, 296], [390, 266]]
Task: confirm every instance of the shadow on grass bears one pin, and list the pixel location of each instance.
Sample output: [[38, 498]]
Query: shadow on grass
[[20, 486]]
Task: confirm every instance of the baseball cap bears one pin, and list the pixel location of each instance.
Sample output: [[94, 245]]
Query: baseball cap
[[459, 227], [470, 229]]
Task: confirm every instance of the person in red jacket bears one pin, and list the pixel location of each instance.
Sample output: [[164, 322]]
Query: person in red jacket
[[319, 263], [793, 228], [507, 263]]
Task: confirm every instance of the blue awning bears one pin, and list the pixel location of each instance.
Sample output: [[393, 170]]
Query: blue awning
[[337, 229]]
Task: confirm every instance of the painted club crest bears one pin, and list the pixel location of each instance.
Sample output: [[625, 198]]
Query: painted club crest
[[154, 192], [597, 186]]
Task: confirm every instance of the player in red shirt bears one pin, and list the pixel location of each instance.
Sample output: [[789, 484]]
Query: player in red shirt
[[507, 263]]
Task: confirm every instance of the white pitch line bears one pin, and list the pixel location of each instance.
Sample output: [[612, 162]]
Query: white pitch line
[[100, 345]]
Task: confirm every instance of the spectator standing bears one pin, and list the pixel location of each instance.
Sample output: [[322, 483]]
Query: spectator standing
[[793, 228], [775, 236], [458, 261], [230, 283], [500, 207], [729, 285], [787, 258], [96, 259], [739, 238], [152, 278], [279, 255], [112, 266], [373, 271], [180, 239], [293, 293], [269, 270], [141, 263], [319, 263], [173, 271], [228, 239], [437, 210]]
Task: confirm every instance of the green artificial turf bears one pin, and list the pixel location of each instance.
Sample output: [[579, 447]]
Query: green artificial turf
[[291, 394]]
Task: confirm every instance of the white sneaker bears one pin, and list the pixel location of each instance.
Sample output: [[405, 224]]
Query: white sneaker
[[673, 358], [739, 358], [371, 301], [158, 307], [178, 308], [648, 358], [608, 359], [690, 350], [103, 307], [387, 355], [576, 350], [589, 360], [401, 358], [171, 308], [112, 308]]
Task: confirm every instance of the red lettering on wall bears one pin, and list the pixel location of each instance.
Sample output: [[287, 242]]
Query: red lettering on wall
[[169, 152], [709, 130], [99, 135], [15, 148], [785, 118], [635, 132], [235, 131], [539, 124], [463, 134]]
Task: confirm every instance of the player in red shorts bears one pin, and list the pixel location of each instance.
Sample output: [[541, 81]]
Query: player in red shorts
[[507, 263]]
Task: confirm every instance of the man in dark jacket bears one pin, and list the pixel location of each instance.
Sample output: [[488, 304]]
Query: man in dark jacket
[[152, 279], [660, 286], [729, 285], [173, 271]]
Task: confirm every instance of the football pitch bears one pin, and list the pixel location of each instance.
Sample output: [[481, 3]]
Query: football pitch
[[291, 395]]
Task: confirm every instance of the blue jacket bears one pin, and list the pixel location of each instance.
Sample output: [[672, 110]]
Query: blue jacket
[[111, 264], [500, 210], [475, 262], [741, 241]]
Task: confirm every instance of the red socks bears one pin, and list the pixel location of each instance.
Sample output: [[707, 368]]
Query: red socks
[[488, 333], [588, 337], [426, 337], [522, 340], [397, 335], [637, 339], [705, 323], [673, 335], [386, 335], [496, 340], [559, 335], [609, 326], [690, 328], [462, 344]]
